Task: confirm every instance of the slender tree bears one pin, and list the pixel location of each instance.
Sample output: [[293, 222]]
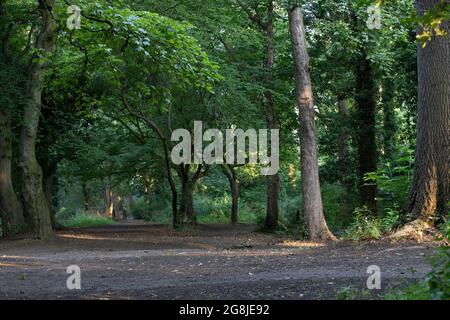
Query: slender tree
[[312, 200], [231, 175]]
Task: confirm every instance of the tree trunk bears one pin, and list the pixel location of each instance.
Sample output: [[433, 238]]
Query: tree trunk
[[11, 212], [273, 181], [429, 192], [342, 143], [108, 199], [312, 200], [344, 164], [366, 129], [230, 173], [50, 187], [389, 121], [35, 204], [186, 213], [117, 207]]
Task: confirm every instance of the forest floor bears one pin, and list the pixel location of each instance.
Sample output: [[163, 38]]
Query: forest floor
[[138, 260]]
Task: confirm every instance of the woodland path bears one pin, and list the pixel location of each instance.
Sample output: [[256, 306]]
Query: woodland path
[[137, 260]]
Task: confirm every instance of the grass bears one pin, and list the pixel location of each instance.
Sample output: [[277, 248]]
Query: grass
[[82, 220], [351, 293], [416, 291]]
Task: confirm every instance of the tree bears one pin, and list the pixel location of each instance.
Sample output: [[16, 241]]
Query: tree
[[11, 212], [312, 200], [230, 172], [35, 204], [430, 187]]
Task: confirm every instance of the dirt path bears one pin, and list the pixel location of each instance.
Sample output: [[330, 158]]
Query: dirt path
[[138, 260]]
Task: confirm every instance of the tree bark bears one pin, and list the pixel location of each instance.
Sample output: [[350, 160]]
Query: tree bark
[[35, 204], [186, 213], [429, 192], [11, 212], [273, 181], [230, 173], [312, 200]]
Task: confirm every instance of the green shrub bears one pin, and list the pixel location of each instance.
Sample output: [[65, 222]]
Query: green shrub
[[438, 280], [436, 285], [366, 226], [393, 180], [140, 209]]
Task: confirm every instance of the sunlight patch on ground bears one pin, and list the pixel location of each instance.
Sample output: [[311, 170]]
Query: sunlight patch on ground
[[300, 244], [3, 264], [88, 237]]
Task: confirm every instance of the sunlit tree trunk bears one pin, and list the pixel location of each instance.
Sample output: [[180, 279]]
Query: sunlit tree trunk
[[108, 198], [35, 204], [311, 197]]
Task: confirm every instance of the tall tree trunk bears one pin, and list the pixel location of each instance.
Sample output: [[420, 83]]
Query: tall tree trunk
[[342, 142], [429, 192], [35, 204], [389, 121], [230, 173], [312, 200], [273, 181], [366, 128], [11, 213]]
